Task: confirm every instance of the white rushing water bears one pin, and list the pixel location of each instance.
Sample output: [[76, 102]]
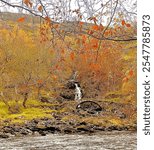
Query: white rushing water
[[78, 93], [103, 141]]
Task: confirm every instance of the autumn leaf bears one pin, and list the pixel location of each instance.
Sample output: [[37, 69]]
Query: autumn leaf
[[95, 27], [40, 8], [81, 23], [48, 20], [78, 41], [28, 3], [123, 22], [84, 38], [94, 66], [40, 81], [94, 43], [22, 19], [63, 51], [131, 72], [90, 32], [57, 67], [106, 33], [128, 25], [72, 55]]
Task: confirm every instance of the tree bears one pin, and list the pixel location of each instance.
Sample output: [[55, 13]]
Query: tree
[[112, 12], [88, 38]]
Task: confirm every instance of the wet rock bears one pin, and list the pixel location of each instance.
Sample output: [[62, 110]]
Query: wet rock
[[97, 128], [42, 133], [111, 128], [68, 130], [70, 85], [90, 107], [49, 123], [67, 94], [36, 133], [83, 123], [26, 132], [53, 129], [84, 129], [41, 125], [4, 136], [8, 129]]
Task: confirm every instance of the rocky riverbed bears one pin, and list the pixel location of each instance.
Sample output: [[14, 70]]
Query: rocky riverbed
[[114, 140]]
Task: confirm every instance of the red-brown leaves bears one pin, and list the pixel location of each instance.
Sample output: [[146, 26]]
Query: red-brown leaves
[[81, 23], [40, 8], [94, 43], [72, 56], [62, 51], [84, 38], [131, 73], [28, 3], [48, 20], [94, 66], [95, 27], [123, 22], [128, 25], [22, 19], [90, 32], [40, 81]]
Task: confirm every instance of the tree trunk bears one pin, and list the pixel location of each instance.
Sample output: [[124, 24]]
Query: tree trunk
[[25, 99]]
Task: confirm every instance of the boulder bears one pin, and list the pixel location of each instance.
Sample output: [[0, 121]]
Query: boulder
[[4, 136], [68, 94]]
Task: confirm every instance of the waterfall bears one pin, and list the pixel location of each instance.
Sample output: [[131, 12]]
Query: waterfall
[[78, 93]]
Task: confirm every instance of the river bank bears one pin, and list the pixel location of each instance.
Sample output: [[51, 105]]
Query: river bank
[[41, 118], [47, 126]]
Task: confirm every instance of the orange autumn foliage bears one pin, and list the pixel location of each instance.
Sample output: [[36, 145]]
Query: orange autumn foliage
[[95, 27], [40, 8], [128, 25], [81, 23], [131, 72], [123, 22], [72, 56], [28, 3], [22, 19]]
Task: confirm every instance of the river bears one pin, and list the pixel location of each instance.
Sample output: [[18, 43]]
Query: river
[[103, 141]]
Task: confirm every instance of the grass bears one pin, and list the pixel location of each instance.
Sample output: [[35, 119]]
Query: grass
[[36, 109], [31, 112]]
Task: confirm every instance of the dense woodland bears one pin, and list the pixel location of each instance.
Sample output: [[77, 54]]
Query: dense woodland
[[38, 55]]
